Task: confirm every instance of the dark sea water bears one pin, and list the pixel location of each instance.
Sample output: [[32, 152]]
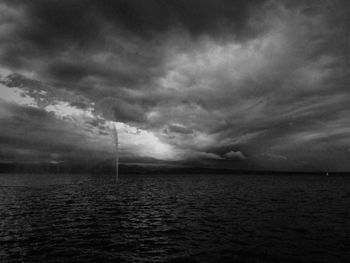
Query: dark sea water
[[197, 218]]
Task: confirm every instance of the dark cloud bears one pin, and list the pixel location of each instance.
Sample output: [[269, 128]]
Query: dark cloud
[[64, 19], [51, 24], [31, 134], [179, 129], [47, 28], [67, 71], [235, 155], [115, 43], [120, 110], [268, 79]]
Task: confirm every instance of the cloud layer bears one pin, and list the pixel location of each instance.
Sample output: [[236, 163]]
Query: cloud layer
[[240, 84]]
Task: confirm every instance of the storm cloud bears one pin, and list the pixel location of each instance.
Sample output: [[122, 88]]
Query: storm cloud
[[239, 84]]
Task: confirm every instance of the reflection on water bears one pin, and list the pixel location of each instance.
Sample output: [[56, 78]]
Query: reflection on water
[[70, 218]]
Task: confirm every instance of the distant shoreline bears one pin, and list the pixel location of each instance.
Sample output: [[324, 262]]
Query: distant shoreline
[[138, 169]]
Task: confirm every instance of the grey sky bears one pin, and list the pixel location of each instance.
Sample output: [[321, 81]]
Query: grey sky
[[239, 84]]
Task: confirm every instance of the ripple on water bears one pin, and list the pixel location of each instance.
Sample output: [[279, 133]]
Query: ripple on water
[[175, 219]]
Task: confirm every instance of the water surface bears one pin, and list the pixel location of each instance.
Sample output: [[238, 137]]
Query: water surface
[[179, 218]]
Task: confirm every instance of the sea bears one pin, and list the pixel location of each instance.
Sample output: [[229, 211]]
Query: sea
[[174, 218]]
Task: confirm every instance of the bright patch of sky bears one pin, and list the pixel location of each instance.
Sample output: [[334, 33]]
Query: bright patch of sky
[[62, 110], [16, 95], [144, 142], [132, 139]]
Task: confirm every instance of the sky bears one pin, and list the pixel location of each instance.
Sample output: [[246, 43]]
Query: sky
[[238, 84]]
